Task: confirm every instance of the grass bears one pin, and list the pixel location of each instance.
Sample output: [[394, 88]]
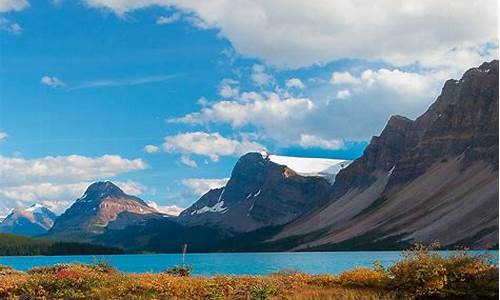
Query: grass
[[421, 274]]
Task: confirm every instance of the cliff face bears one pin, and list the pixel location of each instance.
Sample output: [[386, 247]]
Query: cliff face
[[432, 178], [259, 193]]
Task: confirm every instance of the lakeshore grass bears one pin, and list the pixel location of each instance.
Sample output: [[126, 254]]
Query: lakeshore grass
[[420, 274]]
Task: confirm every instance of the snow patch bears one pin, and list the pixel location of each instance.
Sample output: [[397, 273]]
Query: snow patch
[[217, 208], [307, 166], [391, 171], [35, 208]]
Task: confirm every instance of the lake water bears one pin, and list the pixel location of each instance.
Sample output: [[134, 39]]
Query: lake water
[[225, 263]]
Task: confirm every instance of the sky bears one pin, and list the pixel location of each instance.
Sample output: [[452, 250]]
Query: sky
[[163, 96]]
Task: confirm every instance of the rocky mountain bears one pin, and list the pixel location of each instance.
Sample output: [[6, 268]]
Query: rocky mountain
[[263, 191], [433, 178], [103, 206], [32, 221]]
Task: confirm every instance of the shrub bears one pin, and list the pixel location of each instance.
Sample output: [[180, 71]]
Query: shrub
[[262, 292], [363, 277], [286, 272], [424, 273], [103, 267], [180, 271]]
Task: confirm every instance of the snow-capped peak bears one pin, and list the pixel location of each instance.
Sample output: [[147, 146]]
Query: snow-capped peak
[[308, 166], [35, 208]]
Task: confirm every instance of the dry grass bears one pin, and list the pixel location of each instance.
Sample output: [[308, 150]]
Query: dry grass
[[421, 274]]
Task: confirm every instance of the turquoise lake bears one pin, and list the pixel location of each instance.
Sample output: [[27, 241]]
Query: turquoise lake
[[225, 263]]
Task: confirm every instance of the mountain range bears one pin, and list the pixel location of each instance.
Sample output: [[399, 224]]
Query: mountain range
[[31, 221], [432, 178]]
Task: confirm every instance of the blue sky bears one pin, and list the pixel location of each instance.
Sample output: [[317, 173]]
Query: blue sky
[[87, 85]]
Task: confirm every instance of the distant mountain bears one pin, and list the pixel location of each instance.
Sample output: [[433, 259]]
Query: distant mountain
[[435, 178], [263, 191], [103, 206], [32, 221]]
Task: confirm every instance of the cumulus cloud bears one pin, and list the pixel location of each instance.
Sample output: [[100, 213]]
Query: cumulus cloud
[[295, 83], [343, 94], [14, 170], [212, 145], [130, 187], [199, 186], [259, 75], [52, 81], [61, 179], [312, 141], [270, 110], [151, 149], [3, 136], [343, 78], [410, 85], [401, 32], [13, 5], [228, 88], [186, 160], [290, 120]]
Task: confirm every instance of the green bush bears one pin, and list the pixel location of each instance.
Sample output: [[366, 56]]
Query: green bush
[[180, 271], [425, 273], [262, 292]]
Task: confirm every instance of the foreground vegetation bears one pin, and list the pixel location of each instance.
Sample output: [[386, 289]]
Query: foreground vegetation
[[421, 274], [20, 245]]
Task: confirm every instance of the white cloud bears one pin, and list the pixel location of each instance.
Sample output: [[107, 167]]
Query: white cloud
[[271, 112], [10, 26], [131, 187], [59, 180], [398, 32], [295, 83], [172, 210], [211, 145], [228, 88], [283, 118], [199, 186], [151, 149], [60, 169], [186, 160], [121, 82], [311, 141], [409, 85], [259, 75], [13, 5], [52, 81], [43, 191], [343, 78], [3, 136], [164, 20], [343, 94]]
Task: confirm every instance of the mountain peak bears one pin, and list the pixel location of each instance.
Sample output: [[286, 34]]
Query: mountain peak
[[33, 220], [102, 189]]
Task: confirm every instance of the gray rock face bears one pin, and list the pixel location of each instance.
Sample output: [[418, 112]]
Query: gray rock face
[[32, 221], [103, 204], [259, 193], [432, 178]]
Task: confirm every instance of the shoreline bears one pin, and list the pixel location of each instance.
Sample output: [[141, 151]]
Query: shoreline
[[420, 273]]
